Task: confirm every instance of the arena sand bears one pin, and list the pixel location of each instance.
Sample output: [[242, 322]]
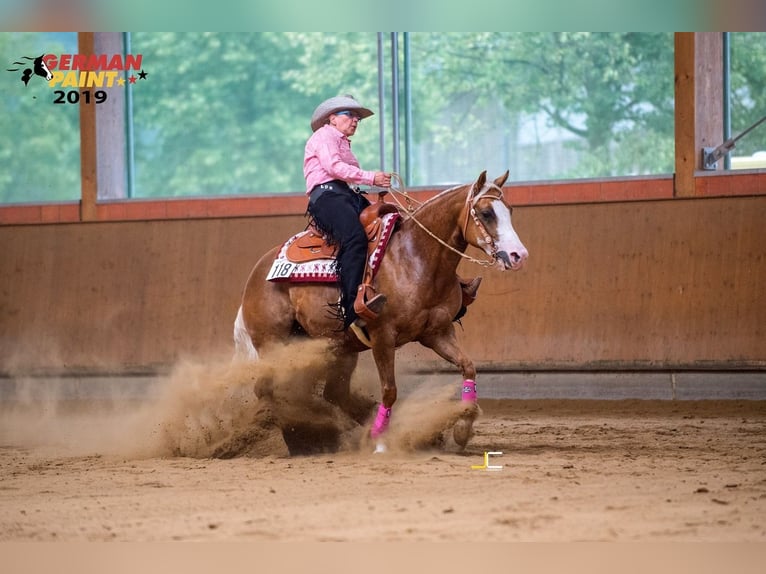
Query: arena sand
[[202, 458]]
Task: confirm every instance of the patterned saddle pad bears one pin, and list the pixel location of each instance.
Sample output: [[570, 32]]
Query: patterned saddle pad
[[322, 269]]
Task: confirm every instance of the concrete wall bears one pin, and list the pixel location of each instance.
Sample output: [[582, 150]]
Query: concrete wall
[[650, 284]]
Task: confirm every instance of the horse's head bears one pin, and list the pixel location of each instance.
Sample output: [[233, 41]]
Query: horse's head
[[41, 69], [493, 231]]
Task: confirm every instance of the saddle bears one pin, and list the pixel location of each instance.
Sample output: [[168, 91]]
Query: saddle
[[310, 246], [313, 245]]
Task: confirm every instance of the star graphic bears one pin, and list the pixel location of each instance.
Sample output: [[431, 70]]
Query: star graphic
[[121, 82], [142, 74], [132, 79]]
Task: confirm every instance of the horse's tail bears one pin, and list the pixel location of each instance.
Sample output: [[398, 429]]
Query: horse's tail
[[243, 343]]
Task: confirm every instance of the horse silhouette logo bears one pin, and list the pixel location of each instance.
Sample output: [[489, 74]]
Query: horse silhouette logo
[[39, 69]]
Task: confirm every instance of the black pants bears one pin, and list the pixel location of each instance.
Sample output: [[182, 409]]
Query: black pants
[[335, 208]]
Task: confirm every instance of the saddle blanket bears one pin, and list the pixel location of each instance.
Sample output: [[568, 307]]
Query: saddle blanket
[[323, 270]]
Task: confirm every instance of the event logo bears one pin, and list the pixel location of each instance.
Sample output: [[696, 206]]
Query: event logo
[[39, 69], [82, 73]]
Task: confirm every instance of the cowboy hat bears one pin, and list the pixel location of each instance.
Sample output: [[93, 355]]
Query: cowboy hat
[[336, 104]]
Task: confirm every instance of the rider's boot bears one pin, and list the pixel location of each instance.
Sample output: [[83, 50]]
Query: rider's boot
[[372, 308]]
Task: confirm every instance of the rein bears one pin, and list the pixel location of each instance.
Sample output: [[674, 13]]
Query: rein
[[470, 203]]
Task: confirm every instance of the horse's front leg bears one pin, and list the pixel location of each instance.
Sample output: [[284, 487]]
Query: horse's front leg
[[384, 355], [444, 344]]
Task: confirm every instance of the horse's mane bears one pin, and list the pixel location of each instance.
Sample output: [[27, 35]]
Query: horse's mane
[[442, 194]]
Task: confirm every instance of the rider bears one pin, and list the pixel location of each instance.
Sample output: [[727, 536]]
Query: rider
[[329, 167]]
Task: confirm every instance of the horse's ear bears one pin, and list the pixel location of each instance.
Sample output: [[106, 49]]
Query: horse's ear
[[501, 180], [479, 183]]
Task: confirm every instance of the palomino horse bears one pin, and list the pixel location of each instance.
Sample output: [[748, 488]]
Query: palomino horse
[[418, 275]]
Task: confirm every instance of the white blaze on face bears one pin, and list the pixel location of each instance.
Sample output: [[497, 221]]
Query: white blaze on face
[[510, 250], [47, 71]]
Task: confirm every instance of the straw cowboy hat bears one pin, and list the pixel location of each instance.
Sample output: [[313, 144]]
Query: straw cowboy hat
[[336, 104]]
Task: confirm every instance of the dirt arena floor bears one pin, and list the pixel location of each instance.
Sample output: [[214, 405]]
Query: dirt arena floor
[[203, 460]]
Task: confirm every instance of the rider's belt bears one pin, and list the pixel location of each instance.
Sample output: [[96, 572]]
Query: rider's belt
[[336, 185]]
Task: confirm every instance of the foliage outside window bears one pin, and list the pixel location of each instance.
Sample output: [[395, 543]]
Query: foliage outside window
[[545, 105], [40, 141], [748, 98], [225, 114], [228, 113]]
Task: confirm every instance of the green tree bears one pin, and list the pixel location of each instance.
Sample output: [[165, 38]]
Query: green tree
[[613, 92], [214, 116], [226, 114], [335, 64], [230, 113], [748, 89], [40, 146]]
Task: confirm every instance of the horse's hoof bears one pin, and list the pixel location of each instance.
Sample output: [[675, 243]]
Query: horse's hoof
[[264, 387], [380, 448], [462, 432]]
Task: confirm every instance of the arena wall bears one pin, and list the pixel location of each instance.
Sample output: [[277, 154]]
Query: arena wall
[[659, 284]]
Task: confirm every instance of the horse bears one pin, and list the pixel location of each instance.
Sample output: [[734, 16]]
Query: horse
[[40, 69], [418, 273]]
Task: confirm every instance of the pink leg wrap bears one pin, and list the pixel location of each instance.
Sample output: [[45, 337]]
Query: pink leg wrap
[[381, 422], [469, 391]]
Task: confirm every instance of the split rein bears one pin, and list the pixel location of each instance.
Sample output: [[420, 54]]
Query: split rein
[[470, 211]]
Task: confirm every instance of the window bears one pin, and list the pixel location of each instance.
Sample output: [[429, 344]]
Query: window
[[222, 114], [747, 97], [40, 151], [227, 114], [545, 105]]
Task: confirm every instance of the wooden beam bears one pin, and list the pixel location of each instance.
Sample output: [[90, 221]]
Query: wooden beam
[[698, 103], [709, 88], [684, 114], [88, 150]]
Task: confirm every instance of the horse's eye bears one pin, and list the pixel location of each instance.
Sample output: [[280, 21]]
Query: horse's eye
[[487, 214]]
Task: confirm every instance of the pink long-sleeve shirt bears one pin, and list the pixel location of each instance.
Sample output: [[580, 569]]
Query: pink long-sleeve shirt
[[328, 156]]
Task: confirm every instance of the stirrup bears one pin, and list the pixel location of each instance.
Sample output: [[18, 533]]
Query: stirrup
[[368, 310], [360, 333]]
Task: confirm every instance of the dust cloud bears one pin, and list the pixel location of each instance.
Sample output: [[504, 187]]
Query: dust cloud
[[221, 409]]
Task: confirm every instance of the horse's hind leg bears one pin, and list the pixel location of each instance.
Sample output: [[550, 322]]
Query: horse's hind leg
[[266, 315], [244, 350], [337, 388]]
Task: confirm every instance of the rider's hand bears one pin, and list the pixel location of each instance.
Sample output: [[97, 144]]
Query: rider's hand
[[382, 179]]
